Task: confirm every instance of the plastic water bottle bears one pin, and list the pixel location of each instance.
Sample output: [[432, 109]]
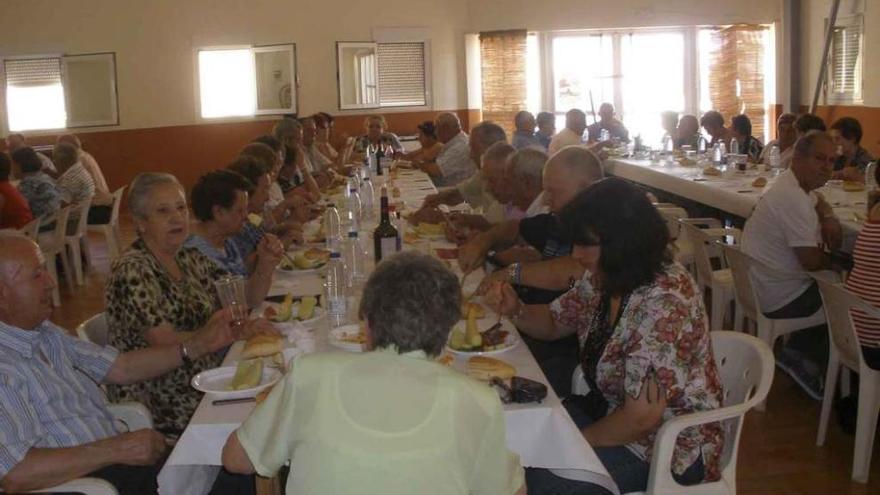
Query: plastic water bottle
[[774, 158], [734, 146], [336, 290], [604, 135], [352, 208], [723, 148], [716, 154], [871, 176], [368, 199], [702, 145], [355, 259], [332, 228]]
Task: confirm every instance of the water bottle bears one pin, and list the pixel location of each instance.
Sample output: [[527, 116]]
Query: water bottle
[[716, 154], [336, 290], [773, 157], [604, 135], [332, 228], [368, 199], [668, 144], [354, 258], [702, 145], [723, 148], [871, 176], [352, 208], [734, 147]]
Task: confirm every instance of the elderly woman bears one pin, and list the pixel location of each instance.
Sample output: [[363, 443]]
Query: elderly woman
[[390, 420], [324, 124], [38, 188], [220, 204], [430, 146], [377, 134], [278, 207], [162, 293], [644, 341], [741, 128], [852, 158]]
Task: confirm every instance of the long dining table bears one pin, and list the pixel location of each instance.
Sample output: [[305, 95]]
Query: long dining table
[[733, 192], [542, 434]]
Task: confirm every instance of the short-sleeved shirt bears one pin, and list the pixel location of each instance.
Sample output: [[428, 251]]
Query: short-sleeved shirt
[[49, 392], [525, 139], [229, 259], [455, 162], [41, 193], [102, 191], [382, 422], [662, 333], [47, 163], [247, 240], [319, 161], [563, 138], [864, 281], [76, 185], [543, 140], [142, 295], [615, 129], [784, 218], [15, 213]]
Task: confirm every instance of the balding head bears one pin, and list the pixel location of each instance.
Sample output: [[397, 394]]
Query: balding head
[[448, 126], [526, 174], [568, 172], [70, 139], [576, 121], [15, 141], [484, 135], [25, 285], [494, 170], [813, 159]]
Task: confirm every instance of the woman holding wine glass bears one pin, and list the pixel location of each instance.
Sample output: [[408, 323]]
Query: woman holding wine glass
[[162, 293]]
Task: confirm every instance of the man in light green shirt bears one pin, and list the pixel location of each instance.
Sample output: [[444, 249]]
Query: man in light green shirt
[[390, 421]]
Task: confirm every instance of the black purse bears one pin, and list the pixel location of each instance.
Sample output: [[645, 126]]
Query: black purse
[[521, 390]]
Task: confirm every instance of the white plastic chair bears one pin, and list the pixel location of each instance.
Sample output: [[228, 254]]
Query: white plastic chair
[[683, 251], [135, 417], [720, 281], [110, 230], [747, 305], [746, 367], [31, 229], [52, 246], [846, 351], [75, 236], [94, 329]]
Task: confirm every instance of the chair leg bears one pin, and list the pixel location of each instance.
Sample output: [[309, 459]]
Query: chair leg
[[765, 333], [737, 320], [717, 309], [828, 399], [845, 381], [112, 237], [866, 425], [86, 247], [53, 272], [76, 261], [65, 263]]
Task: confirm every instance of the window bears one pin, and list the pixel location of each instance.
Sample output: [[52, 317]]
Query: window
[[373, 75], [61, 92], [583, 73], [240, 82], [844, 83]]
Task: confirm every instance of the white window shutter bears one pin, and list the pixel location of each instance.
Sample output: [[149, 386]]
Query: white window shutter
[[402, 74], [90, 89]]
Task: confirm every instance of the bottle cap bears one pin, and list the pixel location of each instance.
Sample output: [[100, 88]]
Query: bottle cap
[[352, 233], [333, 255]]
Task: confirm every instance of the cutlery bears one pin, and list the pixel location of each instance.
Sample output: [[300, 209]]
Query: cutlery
[[226, 402]]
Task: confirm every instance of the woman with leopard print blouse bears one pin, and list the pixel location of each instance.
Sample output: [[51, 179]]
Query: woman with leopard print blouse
[[161, 293]]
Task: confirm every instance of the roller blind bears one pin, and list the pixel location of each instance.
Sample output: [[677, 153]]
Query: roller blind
[[401, 74], [503, 67], [33, 72], [845, 62], [736, 77]]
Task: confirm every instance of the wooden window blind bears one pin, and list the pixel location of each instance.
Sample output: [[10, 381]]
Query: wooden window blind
[[736, 77], [402, 74], [503, 67]]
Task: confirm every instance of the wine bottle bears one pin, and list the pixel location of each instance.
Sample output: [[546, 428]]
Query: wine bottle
[[385, 238], [380, 154]]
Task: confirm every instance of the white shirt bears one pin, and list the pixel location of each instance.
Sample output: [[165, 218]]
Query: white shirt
[[276, 195], [785, 218], [537, 207], [76, 185], [565, 137], [455, 162], [47, 163]]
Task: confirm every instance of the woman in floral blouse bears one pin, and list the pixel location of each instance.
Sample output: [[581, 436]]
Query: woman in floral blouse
[[645, 346]]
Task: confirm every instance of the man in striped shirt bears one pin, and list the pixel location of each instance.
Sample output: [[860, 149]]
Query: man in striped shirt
[[75, 184], [54, 423]]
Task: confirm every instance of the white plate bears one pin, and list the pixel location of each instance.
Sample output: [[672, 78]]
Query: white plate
[[334, 338], [509, 343], [216, 382], [319, 313], [300, 271]]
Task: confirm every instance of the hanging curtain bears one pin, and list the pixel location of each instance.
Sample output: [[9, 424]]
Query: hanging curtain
[[736, 77], [503, 67]]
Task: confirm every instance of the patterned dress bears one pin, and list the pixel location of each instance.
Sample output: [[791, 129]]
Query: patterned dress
[[142, 295], [662, 332]]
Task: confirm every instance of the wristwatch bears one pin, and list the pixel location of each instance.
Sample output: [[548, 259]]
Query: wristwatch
[[184, 354]]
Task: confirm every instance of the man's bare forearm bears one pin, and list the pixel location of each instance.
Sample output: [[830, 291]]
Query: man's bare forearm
[[43, 468]]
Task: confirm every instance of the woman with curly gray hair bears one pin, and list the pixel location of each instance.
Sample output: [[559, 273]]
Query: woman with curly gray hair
[[390, 420]]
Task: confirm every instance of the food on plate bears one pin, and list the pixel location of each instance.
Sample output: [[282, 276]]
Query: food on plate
[[395, 192], [410, 237], [759, 182], [248, 374], [711, 171], [431, 229], [446, 359], [472, 335], [358, 337], [285, 311], [477, 308], [308, 259], [426, 215], [255, 220], [485, 368], [853, 186], [447, 253], [262, 345], [307, 308], [686, 162]]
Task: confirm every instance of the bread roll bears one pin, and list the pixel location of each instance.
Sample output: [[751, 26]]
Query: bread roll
[[485, 368], [759, 182], [261, 345], [249, 374], [711, 171], [853, 186]]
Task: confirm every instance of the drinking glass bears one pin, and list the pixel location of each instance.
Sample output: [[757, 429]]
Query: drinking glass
[[231, 291]]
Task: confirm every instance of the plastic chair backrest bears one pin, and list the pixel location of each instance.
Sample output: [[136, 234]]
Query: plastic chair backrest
[[740, 264], [671, 214], [31, 229], [839, 303], [117, 203], [699, 239], [60, 218], [94, 329], [82, 218]]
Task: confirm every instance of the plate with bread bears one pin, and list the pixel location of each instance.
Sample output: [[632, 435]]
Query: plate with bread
[[262, 363], [348, 337], [304, 310], [305, 261], [474, 337]]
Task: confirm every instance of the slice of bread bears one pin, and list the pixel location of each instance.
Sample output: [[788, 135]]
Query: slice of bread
[[485, 368], [262, 345]]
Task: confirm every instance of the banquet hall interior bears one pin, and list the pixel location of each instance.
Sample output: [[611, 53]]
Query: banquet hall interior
[[661, 217]]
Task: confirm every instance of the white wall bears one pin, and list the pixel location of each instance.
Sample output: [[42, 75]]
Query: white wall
[[155, 41]]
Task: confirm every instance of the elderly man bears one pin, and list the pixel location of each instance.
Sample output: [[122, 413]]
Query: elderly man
[[454, 164], [525, 170], [525, 136], [546, 128], [575, 124], [607, 122], [713, 122], [17, 141], [786, 232], [56, 425], [74, 184], [785, 138], [102, 202]]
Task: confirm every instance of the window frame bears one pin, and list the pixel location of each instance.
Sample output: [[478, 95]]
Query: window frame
[[114, 102], [856, 97], [294, 79], [391, 40]]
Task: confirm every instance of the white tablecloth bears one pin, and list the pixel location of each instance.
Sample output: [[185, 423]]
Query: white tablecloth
[[543, 435], [733, 192]]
